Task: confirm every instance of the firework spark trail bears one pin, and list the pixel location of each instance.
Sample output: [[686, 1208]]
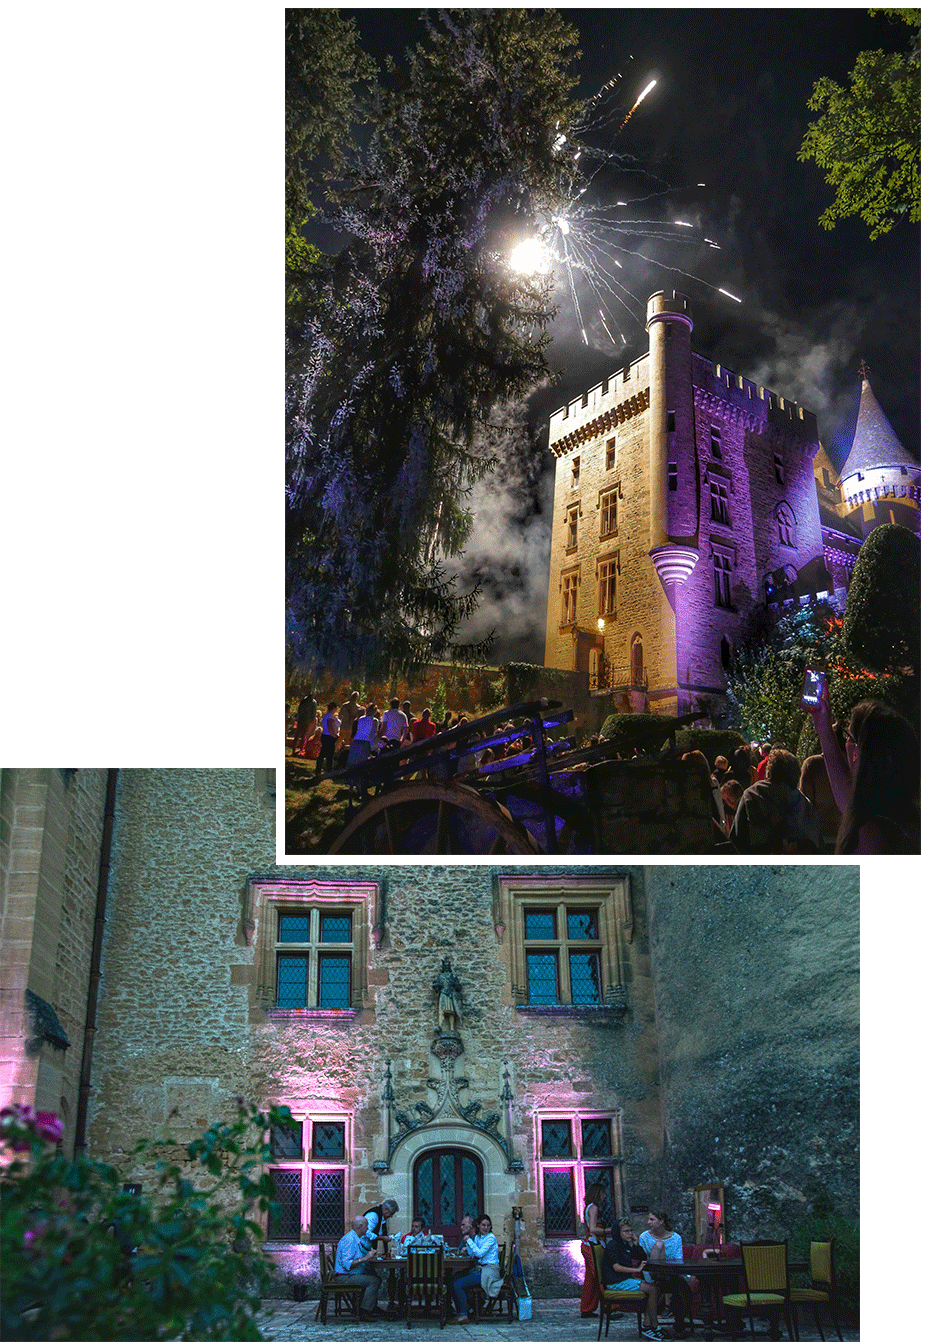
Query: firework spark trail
[[651, 85]]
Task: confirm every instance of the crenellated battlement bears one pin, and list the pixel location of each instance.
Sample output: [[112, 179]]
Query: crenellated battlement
[[759, 402], [622, 387]]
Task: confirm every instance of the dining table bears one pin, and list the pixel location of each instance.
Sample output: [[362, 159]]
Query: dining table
[[712, 1272], [395, 1269]]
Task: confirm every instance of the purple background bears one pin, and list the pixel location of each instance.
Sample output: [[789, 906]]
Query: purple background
[[141, 466]]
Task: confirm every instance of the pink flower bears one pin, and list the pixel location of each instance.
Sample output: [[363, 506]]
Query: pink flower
[[49, 1126], [17, 1117]]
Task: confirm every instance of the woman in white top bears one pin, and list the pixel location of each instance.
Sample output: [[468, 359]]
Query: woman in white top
[[482, 1246], [365, 736]]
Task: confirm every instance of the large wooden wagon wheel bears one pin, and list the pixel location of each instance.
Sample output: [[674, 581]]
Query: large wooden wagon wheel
[[425, 818], [532, 805]]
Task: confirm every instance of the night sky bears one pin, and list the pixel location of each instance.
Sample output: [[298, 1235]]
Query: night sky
[[729, 110]]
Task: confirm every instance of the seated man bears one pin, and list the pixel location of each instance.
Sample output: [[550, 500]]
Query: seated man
[[353, 1259], [417, 1236]]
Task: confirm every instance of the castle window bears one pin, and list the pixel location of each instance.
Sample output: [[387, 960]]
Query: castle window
[[778, 467], [722, 567], [309, 1169], [609, 455], [673, 476], [570, 584], [571, 1152], [608, 507], [719, 492], [576, 466], [670, 421], [607, 586], [311, 943], [716, 443], [826, 478], [572, 538], [565, 939], [786, 525], [313, 959]]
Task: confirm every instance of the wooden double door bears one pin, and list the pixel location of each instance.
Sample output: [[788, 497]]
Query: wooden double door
[[448, 1184]]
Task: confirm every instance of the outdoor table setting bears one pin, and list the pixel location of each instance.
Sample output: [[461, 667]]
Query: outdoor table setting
[[710, 1272], [395, 1267]]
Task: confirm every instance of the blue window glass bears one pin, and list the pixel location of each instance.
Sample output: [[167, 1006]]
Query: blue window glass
[[583, 925], [286, 1212], [294, 927], [585, 978], [328, 1140], [286, 1143], [292, 975], [327, 1203], [335, 927], [558, 1203], [335, 981], [541, 925], [596, 1137], [557, 1138], [542, 979]]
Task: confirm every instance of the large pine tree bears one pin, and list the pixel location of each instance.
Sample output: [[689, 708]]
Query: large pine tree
[[415, 332]]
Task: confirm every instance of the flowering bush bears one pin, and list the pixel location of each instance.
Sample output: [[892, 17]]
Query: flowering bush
[[84, 1259]]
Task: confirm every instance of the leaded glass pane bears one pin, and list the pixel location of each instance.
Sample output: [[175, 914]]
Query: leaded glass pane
[[328, 1141], [286, 1143], [602, 1176], [541, 979], [540, 925], [557, 1138], [558, 1203], [327, 1202], [596, 1137], [582, 924], [471, 1202], [294, 927], [424, 1207], [335, 981], [286, 1218], [335, 927], [292, 973], [585, 978], [447, 1208]]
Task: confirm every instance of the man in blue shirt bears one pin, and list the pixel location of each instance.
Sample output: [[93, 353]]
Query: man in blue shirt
[[352, 1260]]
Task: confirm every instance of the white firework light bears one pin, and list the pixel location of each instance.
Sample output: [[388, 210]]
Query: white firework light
[[588, 244]]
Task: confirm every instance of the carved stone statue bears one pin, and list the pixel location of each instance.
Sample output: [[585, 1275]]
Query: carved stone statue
[[446, 984]]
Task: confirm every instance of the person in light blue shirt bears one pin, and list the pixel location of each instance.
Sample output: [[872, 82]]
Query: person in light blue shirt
[[483, 1246], [352, 1260], [661, 1243]]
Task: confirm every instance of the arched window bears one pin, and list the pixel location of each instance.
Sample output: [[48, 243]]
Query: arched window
[[637, 661], [447, 1185]]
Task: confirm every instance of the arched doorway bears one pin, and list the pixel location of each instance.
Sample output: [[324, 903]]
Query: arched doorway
[[448, 1183]]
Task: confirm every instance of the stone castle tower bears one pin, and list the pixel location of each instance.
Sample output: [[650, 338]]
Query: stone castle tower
[[685, 495]]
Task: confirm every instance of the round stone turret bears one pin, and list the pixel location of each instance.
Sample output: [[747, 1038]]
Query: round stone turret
[[878, 464]]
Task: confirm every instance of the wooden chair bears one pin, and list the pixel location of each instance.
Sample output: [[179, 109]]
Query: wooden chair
[[346, 1295], [767, 1284], [823, 1290], [484, 1304], [425, 1284], [614, 1302]]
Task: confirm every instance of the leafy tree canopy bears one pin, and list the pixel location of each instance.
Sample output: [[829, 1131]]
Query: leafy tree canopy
[[868, 136], [417, 331]]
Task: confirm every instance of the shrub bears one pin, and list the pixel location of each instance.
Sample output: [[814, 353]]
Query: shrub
[[85, 1260], [823, 1223]]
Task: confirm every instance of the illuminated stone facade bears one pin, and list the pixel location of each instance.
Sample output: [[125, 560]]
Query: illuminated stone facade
[[672, 1052], [684, 497]]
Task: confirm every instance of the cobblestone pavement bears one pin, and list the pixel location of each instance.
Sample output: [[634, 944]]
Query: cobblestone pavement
[[552, 1321]]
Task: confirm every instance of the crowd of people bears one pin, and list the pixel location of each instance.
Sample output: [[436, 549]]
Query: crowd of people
[[369, 1238], [861, 794]]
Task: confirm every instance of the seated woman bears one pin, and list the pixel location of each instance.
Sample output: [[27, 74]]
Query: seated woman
[[621, 1270], [661, 1243], [482, 1246], [876, 781]]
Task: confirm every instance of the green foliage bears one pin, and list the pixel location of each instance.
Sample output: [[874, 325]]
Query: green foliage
[[492, 694], [437, 707], [824, 1223], [882, 624], [766, 677], [525, 681], [626, 727], [197, 1270], [868, 137], [413, 336], [712, 741]]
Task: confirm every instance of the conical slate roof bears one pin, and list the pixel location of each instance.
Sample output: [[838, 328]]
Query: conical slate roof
[[875, 443]]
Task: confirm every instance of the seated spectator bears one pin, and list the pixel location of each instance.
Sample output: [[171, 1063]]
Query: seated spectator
[[353, 1260], [773, 816], [876, 782], [417, 1236]]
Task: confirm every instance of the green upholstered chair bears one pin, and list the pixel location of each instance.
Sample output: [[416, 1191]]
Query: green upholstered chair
[[616, 1302], [823, 1290], [767, 1284], [425, 1284], [347, 1298]]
